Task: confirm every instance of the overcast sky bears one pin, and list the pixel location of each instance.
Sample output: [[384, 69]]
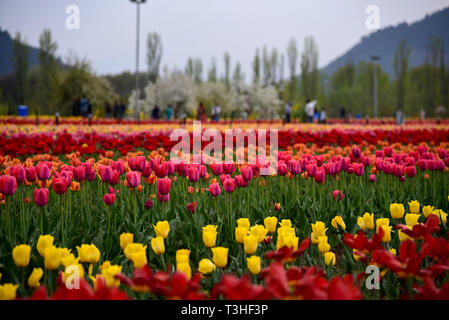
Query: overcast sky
[[203, 28]]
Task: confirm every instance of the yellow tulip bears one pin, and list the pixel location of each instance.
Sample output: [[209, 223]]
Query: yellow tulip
[[413, 206], [426, 210], [8, 291], [220, 256], [88, 253], [139, 259], [397, 210], [259, 231], [125, 239], [323, 245], [240, 234], [287, 240], [134, 247], [162, 228], [43, 243], [387, 232], [52, 258], [411, 219], [209, 235], [366, 222], [182, 256], [270, 223], [35, 277], [243, 223], [338, 221], [382, 222], [393, 251], [285, 223], [184, 268], [253, 264], [318, 230], [69, 260], [21, 255], [157, 244], [206, 266], [72, 269], [329, 257], [250, 244], [109, 275], [402, 236]]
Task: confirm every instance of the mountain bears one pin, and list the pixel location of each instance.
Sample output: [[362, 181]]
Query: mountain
[[6, 54], [384, 42]]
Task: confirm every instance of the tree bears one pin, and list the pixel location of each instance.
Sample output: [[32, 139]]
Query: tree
[[48, 66], [281, 68], [238, 77], [194, 69], [227, 63], [154, 55], [20, 57], [401, 59], [266, 66], [274, 65], [256, 67], [292, 56], [309, 69], [212, 74]]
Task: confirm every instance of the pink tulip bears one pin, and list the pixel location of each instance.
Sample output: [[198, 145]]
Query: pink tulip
[[163, 186], [214, 189], [282, 168], [43, 172], [163, 198], [19, 172], [372, 178], [229, 185], [320, 175], [59, 185], [41, 196], [217, 169], [133, 178], [137, 163], [193, 174], [106, 173], [240, 182], [79, 173], [8, 185]]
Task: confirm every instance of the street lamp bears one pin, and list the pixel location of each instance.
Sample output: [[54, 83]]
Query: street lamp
[[138, 3], [375, 58]]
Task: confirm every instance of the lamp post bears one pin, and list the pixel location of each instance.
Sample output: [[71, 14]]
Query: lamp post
[[138, 3], [375, 58]]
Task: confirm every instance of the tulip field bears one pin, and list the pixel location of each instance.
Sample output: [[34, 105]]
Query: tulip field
[[100, 211]]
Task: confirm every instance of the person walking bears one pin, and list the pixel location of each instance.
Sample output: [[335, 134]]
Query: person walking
[[216, 112], [168, 112], [107, 109], [310, 110], [288, 112], [155, 114], [323, 116], [201, 113]]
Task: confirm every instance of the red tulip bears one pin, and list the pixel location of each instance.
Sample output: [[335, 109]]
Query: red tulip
[[59, 185], [148, 204], [240, 182], [133, 178], [109, 198], [163, 186], [160, 170], [79, 173], [282, 168], [410, 171], [358, 169], [320, 175], [229, 167], [163, 198], [147, 172], [217, 169], [192, 206], [31, 174], [337, 194], [41, 196], [8, 185], [247, 173]]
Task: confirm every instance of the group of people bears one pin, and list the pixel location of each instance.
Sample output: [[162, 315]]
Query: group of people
[[311, 113], [82, 107], [156, 113], [201, 113], [117, 110]]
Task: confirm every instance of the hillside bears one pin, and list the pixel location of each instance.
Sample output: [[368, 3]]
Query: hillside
[[384, 42]]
